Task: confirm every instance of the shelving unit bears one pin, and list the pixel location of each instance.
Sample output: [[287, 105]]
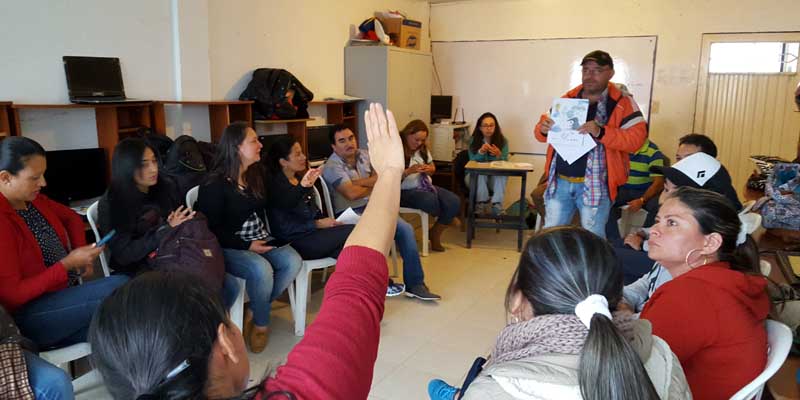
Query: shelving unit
[[220, 114], [343, 112], [294, 127], [5, 119], [114, 121]]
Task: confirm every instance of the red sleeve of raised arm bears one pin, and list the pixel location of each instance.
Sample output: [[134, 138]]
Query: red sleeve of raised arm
[[336, 357], [16, 290]]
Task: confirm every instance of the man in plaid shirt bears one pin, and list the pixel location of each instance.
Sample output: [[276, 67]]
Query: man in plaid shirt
[[589, 185]]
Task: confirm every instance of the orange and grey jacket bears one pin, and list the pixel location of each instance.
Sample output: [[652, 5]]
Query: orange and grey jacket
[[624, 133]]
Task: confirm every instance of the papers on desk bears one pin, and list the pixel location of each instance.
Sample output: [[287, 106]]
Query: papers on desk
[[509, 164], [349, 217], [569, 115]]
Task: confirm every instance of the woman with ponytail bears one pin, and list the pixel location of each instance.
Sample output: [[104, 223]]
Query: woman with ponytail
[[713, 310], [563, 342]]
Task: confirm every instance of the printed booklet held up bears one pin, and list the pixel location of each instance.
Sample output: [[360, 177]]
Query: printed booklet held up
[[569, 115]]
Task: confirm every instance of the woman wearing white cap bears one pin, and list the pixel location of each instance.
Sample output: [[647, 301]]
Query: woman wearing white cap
[[563, 342]]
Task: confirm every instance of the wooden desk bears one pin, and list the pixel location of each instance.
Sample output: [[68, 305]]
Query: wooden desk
[[115, 121], [474, 168], [220, 114]]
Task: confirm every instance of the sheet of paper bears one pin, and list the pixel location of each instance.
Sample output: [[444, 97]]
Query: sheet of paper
[[568, 115], [349, 217]]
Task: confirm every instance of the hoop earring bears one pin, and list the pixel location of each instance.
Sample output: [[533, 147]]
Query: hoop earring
[[514, 319], [686, 259]]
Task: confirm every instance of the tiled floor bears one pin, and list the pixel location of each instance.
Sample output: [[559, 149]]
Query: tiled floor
[[421, 340]]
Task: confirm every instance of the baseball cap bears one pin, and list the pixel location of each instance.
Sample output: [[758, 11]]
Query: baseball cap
[[701, 171], [695, 170], [600, 57]]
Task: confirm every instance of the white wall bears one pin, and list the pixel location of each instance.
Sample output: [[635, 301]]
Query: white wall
[[35, 35], [306, 37], [679, 25]]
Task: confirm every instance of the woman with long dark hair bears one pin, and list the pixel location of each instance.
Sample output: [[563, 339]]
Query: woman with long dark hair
[[234, 201], [293, 213], [488, 144], [418, 190], [43, 245], [141, 204], [562, 342], [713, 310], [166, 337]]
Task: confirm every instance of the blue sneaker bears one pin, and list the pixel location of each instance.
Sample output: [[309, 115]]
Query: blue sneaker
[[395, 289], [440, 390]]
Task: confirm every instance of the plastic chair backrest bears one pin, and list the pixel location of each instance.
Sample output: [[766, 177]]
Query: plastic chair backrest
[[779, 340], [326, 195], [91, 215], [191, 196]]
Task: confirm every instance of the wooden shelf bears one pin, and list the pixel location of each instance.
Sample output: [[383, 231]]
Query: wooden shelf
[[114, 121], [281, 121], [7, 124], [349, 117], [220, 114]]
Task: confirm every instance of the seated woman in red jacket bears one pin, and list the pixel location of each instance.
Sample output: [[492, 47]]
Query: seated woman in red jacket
[[201, 354], [713, 310], [44, 252]]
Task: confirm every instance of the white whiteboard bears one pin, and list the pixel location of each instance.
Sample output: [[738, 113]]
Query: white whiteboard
[[517, 80]]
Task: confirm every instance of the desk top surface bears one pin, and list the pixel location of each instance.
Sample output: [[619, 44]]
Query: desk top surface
[[499, 166]]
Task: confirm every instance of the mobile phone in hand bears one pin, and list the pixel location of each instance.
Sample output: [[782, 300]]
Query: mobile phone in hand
[[106, 238]]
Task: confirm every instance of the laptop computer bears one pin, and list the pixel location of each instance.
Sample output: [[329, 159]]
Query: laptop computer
[[94, 80]]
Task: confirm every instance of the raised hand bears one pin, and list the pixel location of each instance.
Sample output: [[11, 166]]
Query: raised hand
[[310, 177], [180, 215], [383, 138]]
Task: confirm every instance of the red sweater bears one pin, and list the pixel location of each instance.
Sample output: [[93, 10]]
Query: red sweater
[[713, 319], [336, 357], [23, 275]]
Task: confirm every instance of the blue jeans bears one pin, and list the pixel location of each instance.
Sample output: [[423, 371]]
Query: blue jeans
[[568, 198], [62, 318], [267, 276], [407, 247], [230, 291], [497, 185], [443, 203], [47, 381]]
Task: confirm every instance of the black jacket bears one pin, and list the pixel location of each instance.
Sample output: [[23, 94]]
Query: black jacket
[[132, 244], [291, 209], [227, 208]]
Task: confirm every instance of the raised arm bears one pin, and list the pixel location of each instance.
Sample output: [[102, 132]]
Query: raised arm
[[336, 357]]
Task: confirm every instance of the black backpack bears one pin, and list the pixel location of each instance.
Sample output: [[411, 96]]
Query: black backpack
[[162, 143], [185, 164], [192, 247], [268, 89]]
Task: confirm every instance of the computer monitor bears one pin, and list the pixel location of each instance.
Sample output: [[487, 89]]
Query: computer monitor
[[319, 143], [74, 175], [441, 108], [93, 76]]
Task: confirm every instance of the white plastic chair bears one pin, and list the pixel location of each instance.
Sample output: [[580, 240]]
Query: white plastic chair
[[779, 339], [237, 309], [91, 215], [298, 291], [326, 196], [425, 227], [62, 357]]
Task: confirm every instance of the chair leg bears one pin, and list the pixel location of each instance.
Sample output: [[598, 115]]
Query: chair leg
[[87, 381], [425, 238], [301, 301], [237, 310], [324, 275]]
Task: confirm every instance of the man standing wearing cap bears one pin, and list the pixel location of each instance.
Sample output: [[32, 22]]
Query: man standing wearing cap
[[589, 185]]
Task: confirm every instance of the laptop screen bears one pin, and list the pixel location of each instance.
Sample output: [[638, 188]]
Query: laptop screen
[[93, 76]]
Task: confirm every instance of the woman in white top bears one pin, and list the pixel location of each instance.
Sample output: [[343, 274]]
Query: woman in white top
[[417, 187]]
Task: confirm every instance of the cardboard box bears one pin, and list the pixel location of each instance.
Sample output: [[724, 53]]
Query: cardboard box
[[403, 32]]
